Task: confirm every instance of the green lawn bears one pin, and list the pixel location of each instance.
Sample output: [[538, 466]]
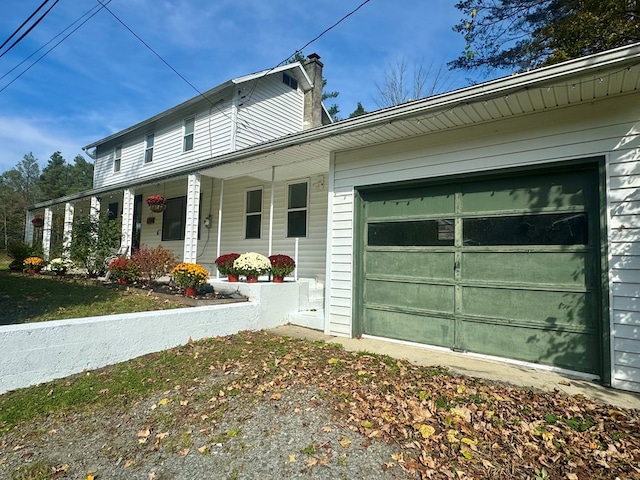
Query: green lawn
[[40, 298]]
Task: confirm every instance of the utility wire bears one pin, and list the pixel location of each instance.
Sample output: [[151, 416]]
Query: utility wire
[[29, 29], [52, 48], [23, 24]]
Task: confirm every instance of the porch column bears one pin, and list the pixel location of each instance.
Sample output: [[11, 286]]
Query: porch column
[[192, 217], [220, 223], [28, 228], [46, 233], [69, 210], [273, 189], [95, 209], [127, 222]]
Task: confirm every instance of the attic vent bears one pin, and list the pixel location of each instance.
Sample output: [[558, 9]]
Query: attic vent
[[289, 80]]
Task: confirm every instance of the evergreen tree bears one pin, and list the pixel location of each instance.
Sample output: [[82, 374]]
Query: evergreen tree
[[358, 111], [525, 34]]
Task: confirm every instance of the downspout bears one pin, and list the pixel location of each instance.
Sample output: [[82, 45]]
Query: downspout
[[220, 222]]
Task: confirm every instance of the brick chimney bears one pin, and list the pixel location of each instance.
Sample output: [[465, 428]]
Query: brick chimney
[[313, 98]]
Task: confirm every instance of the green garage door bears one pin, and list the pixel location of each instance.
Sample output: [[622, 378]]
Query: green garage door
[[507, 266]]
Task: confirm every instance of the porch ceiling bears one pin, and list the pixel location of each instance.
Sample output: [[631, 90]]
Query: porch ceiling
[[287, 167]]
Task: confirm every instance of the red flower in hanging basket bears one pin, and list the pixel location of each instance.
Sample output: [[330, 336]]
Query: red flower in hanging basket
[[156, 200], [37, 222]]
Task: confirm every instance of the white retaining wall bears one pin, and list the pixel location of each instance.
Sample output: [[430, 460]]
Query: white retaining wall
[[40, 352]]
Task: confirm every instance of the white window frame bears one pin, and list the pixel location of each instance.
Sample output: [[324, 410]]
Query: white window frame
[[288, 209], [253, 214], [185, 135], [148, 149], [117, 159]]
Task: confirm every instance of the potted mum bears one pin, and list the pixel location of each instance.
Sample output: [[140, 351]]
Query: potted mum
[[281, 266], [123, 270], [59, 266], [189, 277], [225, 266], [33, 264], [252, 265], [157, 203]]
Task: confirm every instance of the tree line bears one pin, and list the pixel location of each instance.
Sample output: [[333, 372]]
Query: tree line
[[26, 184]]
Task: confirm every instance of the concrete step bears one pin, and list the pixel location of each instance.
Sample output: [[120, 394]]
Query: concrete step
[[313, 318]]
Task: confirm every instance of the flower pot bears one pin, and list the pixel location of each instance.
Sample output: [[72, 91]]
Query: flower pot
[[158, 207], [32, 271], [190, 292], [252, 279], [38, 222], [122, 281], [233, 277], [277, 279]]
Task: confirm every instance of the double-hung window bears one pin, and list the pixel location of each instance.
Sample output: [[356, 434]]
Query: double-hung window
[[148, 150], [117, 159], [297, 207], [253, 213], [189, 127]]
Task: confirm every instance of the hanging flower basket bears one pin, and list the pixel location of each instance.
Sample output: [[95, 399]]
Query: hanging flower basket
[[38, 222], [157, 203], [158, 208]]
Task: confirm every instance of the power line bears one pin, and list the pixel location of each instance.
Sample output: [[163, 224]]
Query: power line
[[52, 48], [29, 29], [23, 24]]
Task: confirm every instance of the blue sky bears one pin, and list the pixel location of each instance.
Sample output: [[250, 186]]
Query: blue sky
[[102, 79]]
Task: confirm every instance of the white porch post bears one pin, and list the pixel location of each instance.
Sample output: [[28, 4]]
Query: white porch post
[[191, 227], [127, 222], [28, 228], [220, 223], [95, 208], [69, 210], [273, 184], [46, 233]]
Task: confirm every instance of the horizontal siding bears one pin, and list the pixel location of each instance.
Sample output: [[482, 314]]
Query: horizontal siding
[[607, 127], [339, 291], [270, 110], [267, 109]]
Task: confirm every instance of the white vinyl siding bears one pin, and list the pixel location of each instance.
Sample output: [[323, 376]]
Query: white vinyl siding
[[270, 111], [606, 127]]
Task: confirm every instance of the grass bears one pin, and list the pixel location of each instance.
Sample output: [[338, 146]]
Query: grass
[[41, 298]]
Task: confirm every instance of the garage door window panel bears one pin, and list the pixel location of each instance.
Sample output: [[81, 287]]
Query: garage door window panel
[[545, 229], [418, 233]]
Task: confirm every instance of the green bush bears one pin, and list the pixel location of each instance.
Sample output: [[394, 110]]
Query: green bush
[[18, 251], [92, 241]]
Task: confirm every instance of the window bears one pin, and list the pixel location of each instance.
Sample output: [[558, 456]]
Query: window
[[289, 80], [174, 219], [117, 159], [148, 151], [113, 210], [297, 209], [411, 233], [253, 210], [189, 125]]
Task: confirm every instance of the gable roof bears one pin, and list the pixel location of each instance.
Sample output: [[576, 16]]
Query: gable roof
[[296, 69]]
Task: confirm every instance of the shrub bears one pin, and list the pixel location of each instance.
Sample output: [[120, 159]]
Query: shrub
[[153, 263], [18, 251], [123, 268], [93, 240], [225, 263], [189, 275], [281, 265]]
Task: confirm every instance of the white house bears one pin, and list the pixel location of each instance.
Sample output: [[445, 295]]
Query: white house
[[499, 219]]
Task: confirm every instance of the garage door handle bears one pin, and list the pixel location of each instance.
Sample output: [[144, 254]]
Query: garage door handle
[[456, 265]]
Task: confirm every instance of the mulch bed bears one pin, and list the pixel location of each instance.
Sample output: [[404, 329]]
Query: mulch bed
[[206, 295]]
